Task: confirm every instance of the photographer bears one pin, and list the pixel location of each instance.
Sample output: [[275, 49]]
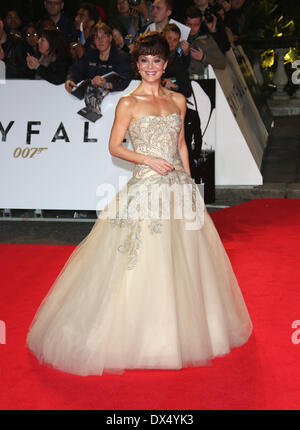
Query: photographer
[[202, 47], [100, 61], [213, 24]]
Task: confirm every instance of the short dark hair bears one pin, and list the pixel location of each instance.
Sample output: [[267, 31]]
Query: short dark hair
[[193, 12], [93, 12], [172, 27], [169, 4], [151, 43]]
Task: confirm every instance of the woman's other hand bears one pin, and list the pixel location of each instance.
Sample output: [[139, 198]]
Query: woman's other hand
[[160, 165], [32, 62], [69, 85]]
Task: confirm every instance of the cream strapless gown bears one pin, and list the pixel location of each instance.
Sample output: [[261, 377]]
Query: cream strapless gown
[[143, 292]]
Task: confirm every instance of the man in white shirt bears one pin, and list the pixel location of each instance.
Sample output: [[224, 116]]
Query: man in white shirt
[[161, 12]]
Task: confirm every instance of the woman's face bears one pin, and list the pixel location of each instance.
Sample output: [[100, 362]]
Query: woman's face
[[32, 36], [43, 45], [102, 41], [173, 39], [123, 6], [151, 67]]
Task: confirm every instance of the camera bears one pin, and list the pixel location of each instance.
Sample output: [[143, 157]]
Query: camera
[[134, 2], [208, 14]]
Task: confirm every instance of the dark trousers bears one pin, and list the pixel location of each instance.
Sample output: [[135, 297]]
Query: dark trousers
[[192, 128]]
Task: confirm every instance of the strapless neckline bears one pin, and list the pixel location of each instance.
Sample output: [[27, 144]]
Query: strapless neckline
[[152, 116]]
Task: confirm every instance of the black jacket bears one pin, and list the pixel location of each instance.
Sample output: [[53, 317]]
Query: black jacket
[[55, 72], [176, 69], [220, 35], [15, 58], [90, 66]]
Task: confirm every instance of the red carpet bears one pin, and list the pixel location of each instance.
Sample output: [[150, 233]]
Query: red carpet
[[262, 241]]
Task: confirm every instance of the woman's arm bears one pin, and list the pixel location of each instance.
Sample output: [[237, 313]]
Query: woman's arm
[[123, 117], [182, 148], [56, 72]]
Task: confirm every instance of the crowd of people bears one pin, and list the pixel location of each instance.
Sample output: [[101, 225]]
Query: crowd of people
[[59, 49], [98, 41]]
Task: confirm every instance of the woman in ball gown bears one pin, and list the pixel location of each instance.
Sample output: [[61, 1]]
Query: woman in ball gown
[[151, 286]]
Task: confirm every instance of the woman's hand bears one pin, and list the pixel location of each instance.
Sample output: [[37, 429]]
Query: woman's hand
[[32, 62], [69, 85], [98, 81], [77, 49], [159, 165]]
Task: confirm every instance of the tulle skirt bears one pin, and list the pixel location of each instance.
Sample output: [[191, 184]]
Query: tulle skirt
[[145, 296]]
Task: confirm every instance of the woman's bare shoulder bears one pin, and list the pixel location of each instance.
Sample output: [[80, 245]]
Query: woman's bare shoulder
[[179, 98], [126, 104]]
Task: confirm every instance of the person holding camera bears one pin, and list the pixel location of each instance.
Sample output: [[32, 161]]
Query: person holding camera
[[213, 24], [201, 47], [97, 62]]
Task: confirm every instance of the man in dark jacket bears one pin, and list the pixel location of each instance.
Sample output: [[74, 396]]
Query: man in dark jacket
[[213, 24], [54, 11], [202, 48], [13, 53], [98, 62]]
